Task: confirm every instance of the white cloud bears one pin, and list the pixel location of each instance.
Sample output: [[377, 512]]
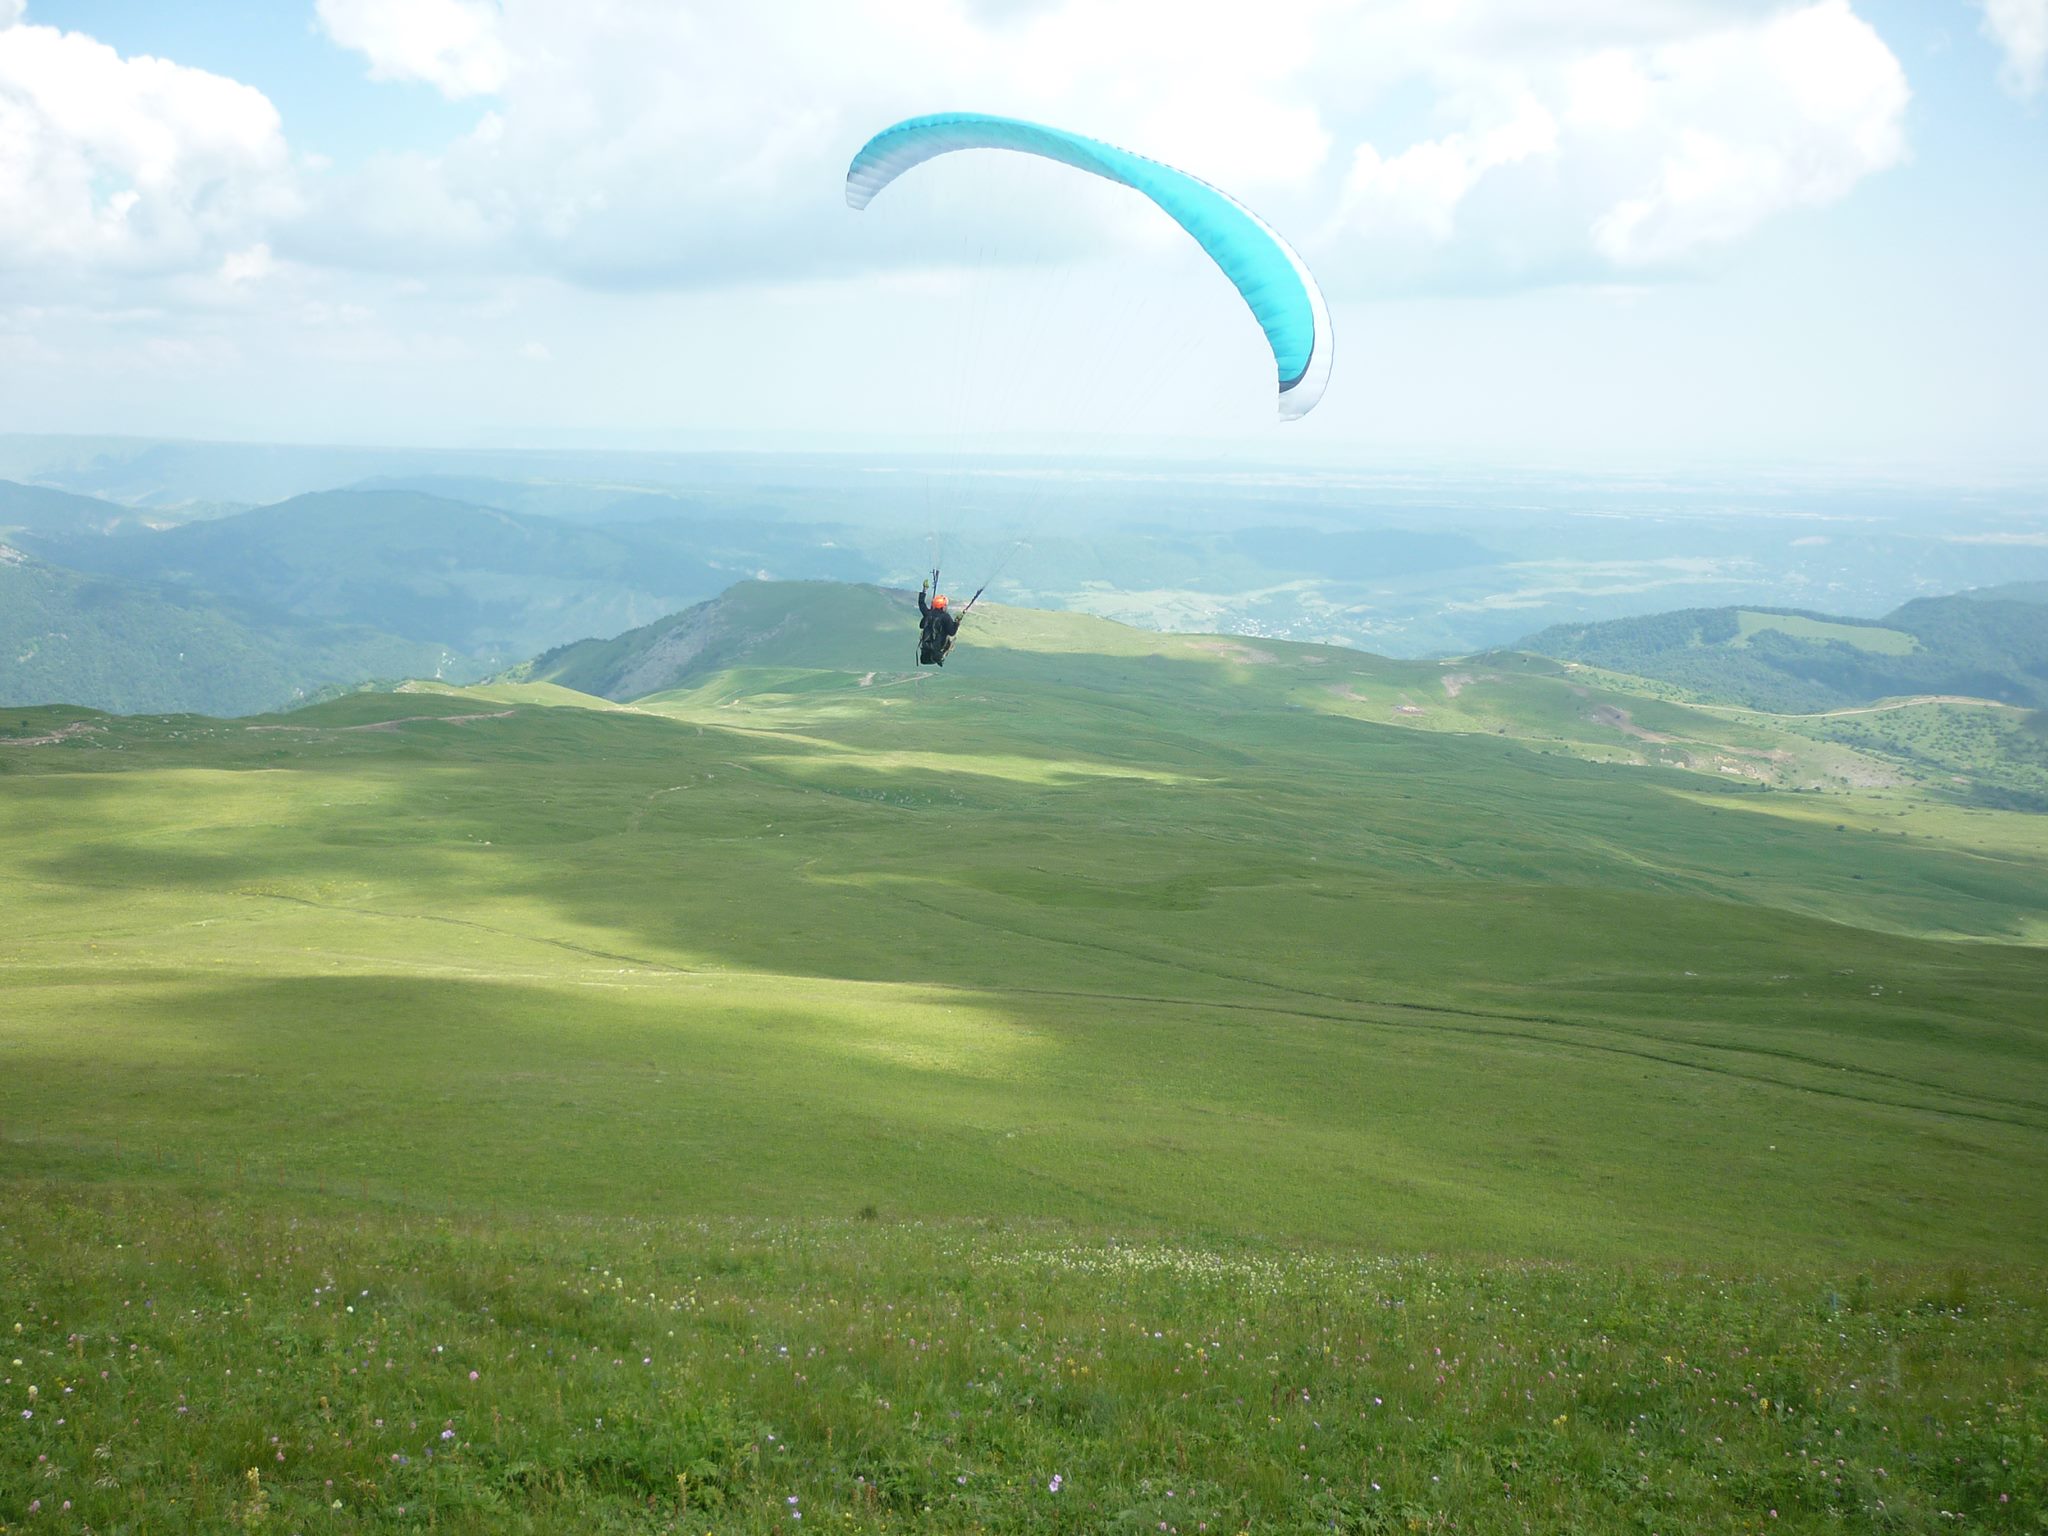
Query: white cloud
[[640, 145], [637, 144], [454, 45], [251, 265], [1608, 91], [1793, 113], [1638, 141], [10, 11], [2020, 29], [129, 164], [1423, 185], [632, 144]]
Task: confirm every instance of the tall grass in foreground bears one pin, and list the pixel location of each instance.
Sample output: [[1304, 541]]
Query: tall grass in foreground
[[175, 1363]]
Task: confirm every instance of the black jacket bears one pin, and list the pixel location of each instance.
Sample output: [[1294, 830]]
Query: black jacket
[[939, 623]]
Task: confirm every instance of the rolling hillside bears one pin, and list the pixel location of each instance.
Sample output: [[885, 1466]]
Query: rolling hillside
[[768, 639], [1989, 644], [823, 626], [1080, 843], [1123, 1079]]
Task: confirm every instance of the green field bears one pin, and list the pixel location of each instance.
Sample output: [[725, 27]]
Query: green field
[[1865, 637], [1109, 1018]]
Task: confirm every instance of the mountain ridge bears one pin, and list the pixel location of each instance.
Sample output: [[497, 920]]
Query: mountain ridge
[[131, 648], [1799, 661]]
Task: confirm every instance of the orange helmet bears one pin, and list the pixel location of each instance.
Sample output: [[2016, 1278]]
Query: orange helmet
[[939, 601]]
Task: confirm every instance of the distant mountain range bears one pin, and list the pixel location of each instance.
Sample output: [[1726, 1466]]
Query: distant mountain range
[[37, 509], [440, 565], [67, 637], [1400, 560], [484, 582], [1991, 643], [99, 602]]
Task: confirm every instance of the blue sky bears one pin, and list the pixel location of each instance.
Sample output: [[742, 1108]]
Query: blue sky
[[325, 96], [1628, 232]]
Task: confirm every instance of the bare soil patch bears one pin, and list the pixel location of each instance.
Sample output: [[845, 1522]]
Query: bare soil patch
[[386, 725], [1230, 652], [62, 733], [1618, 719]]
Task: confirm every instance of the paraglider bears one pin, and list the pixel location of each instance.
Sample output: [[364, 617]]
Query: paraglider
[[1274, 282], [937, 625], [1269, 276]]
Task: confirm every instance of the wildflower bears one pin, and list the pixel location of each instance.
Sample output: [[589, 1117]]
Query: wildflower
[[1054, 1485], [473, 1375]]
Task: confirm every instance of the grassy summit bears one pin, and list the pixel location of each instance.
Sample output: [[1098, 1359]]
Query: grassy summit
[[1150, 1062]]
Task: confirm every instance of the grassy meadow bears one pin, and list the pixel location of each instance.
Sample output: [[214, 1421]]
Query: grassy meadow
[[1127, 1059]]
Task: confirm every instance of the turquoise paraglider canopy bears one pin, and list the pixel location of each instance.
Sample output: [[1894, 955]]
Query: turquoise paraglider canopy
[[1274, 282]]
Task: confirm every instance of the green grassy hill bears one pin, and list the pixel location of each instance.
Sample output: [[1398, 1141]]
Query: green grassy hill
[[1121, 1079], [1989, 645], [769, 640], [118, 645], [1138, 838], [817, 626]]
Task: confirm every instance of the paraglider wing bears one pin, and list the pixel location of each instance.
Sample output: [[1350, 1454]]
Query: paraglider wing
[[1273, 280]]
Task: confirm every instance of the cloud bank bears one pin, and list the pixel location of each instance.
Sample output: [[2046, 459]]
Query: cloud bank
[[2020, 29], [134, 165], [457, 46], [627, 144]]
